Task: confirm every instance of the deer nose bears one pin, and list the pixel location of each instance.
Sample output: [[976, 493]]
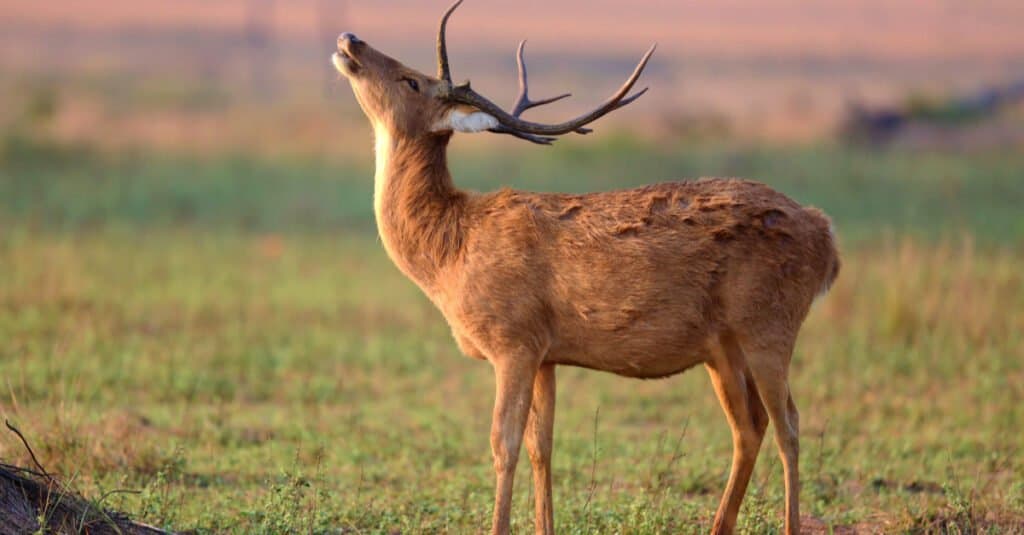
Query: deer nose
[[348, 37]]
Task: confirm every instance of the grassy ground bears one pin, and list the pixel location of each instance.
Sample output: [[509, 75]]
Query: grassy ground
[[226, 338]]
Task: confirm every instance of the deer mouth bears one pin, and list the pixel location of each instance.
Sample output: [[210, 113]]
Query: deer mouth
[[344, 62]]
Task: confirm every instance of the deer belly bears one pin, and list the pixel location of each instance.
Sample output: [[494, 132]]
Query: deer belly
[[637, 353]]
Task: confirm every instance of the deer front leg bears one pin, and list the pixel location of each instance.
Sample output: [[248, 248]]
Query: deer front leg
[[539, 436], [514, 377]]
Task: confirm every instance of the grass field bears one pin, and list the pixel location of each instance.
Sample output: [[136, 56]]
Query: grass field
[[226, 339]]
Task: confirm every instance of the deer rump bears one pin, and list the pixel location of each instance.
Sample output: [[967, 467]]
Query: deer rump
[[637, 282]]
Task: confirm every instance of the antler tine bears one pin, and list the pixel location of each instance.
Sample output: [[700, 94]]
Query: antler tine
[[444, 72], [630, 99], [523, 101], [466, 95]]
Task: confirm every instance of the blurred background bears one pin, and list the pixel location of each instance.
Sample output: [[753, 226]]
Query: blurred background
[[251, 75], [193, 301]]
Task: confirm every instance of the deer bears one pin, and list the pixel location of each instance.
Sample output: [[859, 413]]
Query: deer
[[644, 283]]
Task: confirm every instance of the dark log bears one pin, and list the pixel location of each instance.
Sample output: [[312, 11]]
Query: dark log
[[26, 497], [33, 500]]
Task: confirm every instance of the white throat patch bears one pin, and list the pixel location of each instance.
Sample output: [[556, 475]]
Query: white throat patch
[[461, 121]]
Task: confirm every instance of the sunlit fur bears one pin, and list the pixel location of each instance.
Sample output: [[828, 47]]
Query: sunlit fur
[[644, 283]]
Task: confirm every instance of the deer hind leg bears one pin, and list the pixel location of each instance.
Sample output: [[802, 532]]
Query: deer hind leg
[[539, 436], [747, 419], [514, 378], [770, 370]]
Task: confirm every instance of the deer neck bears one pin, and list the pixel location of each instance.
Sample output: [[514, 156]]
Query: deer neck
[[418, 209]]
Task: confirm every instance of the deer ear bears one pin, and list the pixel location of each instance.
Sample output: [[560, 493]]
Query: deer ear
[[466, 120]]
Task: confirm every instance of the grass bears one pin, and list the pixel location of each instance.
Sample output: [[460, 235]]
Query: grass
[[226, 338], [922, 195]]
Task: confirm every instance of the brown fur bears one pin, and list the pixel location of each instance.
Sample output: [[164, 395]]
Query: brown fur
[[644, 283]]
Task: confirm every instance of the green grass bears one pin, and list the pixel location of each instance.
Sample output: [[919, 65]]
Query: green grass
[[867, 193], [227, 338]]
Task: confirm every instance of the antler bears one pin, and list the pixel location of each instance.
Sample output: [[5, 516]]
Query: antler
[[510, 123], [444, 72], [523, 101]]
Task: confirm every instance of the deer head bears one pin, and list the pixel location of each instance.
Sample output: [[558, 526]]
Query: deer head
[[410, 104]]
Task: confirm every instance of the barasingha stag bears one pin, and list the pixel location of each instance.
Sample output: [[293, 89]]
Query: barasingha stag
[[643, 283]]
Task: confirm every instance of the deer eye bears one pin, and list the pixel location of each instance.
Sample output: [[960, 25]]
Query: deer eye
[[413, 84]]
